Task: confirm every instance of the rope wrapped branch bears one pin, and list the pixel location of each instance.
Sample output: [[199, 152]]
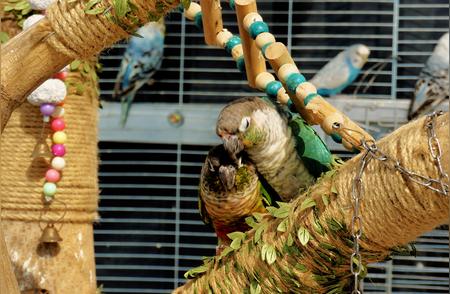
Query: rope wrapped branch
[[305, 246], [71, 30]]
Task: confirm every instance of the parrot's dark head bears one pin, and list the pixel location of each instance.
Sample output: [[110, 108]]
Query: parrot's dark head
[[219, 167], [236, 125]]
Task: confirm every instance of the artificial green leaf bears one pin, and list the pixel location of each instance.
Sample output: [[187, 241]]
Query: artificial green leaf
[[225, 252], [334, 225], [95, 11], [258, 216], [192, 273], [334, 190], [255, 288], [8, 8], [75, 64], [308, 202], [120, 7], [303, 235], [326, 199], [3, 37], [264, 251], [250, 221], [236, 235], [290, 240], [301, 267], [90, 4], [236, 244], [186, 4], [317, 226], [271, 254], [327, 246], [282, 226], [259, 232]]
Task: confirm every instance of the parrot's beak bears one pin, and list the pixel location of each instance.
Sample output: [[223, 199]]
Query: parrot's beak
[[227, 175], [233, 145]]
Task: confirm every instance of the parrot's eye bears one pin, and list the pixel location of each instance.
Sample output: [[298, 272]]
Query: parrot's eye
[[245, 123]]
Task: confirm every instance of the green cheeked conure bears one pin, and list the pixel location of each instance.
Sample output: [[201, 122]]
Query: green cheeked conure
[[228, 193], [287, 152]]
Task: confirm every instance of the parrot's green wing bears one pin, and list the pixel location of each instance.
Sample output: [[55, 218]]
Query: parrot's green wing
[[312, 150]]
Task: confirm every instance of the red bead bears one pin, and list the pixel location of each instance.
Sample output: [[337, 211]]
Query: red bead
[[62, 75], [58, 124], [52, 176]]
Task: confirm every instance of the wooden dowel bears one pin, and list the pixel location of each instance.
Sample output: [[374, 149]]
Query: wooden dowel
[[254, 61], [192, 11], [212, 20], [317, 110]]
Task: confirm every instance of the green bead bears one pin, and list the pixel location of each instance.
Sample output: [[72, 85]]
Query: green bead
[[240, 62], [198, 20], [293, 80], [264, 47], [272, 88], [232, 42], [310, 97], [232, 6], [336, 137], [49, 189], [257, 28]]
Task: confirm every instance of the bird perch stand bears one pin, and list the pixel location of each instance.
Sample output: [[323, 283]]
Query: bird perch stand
[[212, 20], [306, 248]]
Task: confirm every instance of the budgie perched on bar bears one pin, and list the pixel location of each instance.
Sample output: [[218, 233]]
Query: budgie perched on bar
[[286, 151], [142, 59], [228, 193], [341, 71], [432, 86]]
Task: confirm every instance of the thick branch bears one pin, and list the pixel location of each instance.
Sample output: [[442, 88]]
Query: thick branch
[[394, 209], [65, 34]]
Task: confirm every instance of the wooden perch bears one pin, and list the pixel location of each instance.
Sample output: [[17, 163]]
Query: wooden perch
[[306, 246]]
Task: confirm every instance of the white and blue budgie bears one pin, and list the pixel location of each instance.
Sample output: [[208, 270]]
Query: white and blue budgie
[[432, 86], [142, 59], [341, 71]]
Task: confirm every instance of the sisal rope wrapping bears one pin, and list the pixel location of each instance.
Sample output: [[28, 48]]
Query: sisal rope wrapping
[[394, 210], [22, 178], [80, 35]]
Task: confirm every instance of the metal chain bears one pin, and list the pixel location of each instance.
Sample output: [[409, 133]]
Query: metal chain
[[372, 152]]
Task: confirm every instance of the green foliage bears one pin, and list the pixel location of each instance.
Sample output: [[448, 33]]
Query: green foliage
[[3, 37], [238, 238], [255, 288], [303, 235], [281, 212], [307, 203], [283, 225], [268, 253], [20, 9]]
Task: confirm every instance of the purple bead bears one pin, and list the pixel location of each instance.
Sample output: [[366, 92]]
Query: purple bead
[[47, 109], [58, 149]]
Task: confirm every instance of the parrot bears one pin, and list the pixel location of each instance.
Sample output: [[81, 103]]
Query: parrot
[[432, 88], [341, 71], [229, 192], [142, 59], [286, 151]]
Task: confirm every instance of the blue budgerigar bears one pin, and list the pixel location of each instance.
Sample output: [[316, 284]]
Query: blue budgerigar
[[142, 59], [432, 86], [341, 71]]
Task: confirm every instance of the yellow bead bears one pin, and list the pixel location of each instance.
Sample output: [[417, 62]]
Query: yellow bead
[[59, 137]]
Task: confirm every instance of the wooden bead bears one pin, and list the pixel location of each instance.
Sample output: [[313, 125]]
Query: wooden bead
[[264, 39], [251, 18], [263, 79], [304, 89], [192, 11], [223, 37], [286, 70], [237, 51], [327, 123], [282, 96]]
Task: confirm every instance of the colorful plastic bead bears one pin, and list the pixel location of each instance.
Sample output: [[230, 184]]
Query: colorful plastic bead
[[240, 62], [309, 98], [273, 87], [52, 176], [59, 137], [198, 20], [234, 41], [59, 111], [47, 109], [58, 149], [49, 189], [62, 75], [293, 80], [58, 163], [58, 124], [257, 28]]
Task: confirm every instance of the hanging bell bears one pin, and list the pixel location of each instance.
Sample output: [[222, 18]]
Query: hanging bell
[[50, 235], [41, 149]]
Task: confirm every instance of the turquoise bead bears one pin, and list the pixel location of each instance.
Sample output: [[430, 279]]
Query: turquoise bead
[[198, 20], [293, 80], [272, 88], [240, 62], [336, 137], [309, 98], [49, 189], [257, 28], [234, 41], [264, 47], [232, 5]]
